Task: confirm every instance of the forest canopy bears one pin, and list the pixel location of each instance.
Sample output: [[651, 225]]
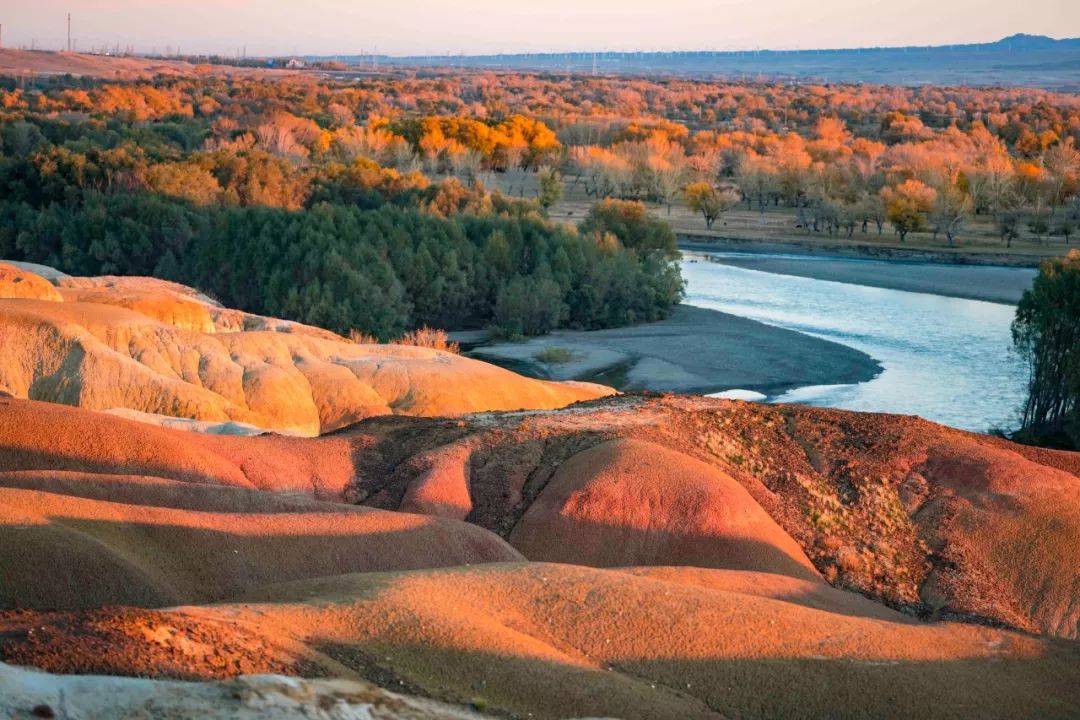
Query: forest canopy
[[365, 204], [281, 220]]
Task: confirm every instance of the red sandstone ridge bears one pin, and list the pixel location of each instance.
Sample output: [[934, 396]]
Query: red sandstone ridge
[[934, 521], [155, 347], [629, 502]]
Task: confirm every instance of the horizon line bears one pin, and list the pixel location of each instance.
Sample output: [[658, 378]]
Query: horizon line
[[550, 53]]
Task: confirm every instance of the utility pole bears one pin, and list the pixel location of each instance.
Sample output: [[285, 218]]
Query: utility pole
[[69, 33]]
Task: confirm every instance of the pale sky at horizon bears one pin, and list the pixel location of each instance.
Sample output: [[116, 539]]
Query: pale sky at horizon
[[278, 27]]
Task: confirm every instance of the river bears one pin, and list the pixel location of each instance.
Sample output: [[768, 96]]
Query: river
[[946, 359]]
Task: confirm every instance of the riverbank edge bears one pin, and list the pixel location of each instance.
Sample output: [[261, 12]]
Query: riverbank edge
[[858, 251], [696, 351], [999, 284]]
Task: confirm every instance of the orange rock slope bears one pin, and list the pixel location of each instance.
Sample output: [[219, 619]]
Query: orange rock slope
[[160, 348]]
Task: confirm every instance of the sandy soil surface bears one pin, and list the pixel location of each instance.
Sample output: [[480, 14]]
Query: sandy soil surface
[[991, 283], [694, 351], [546, 641]]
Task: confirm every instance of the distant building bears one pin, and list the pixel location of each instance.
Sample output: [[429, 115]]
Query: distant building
[[295, 64]]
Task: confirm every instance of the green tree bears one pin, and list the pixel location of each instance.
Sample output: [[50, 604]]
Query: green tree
[[528, 306], [551, 187], [1046, 332]]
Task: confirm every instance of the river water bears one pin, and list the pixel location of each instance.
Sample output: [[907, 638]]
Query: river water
[[946, 359]]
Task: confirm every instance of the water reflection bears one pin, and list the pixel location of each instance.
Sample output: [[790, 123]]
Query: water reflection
[[946, 359]]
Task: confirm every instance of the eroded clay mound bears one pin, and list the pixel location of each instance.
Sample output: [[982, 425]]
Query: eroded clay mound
[[631, 502], [49, 437], [16, 283], [1008, 534], [562, 641], [83, 540], [157, 348], [925, 518], [176, 304], [937, 522], [169, 309]]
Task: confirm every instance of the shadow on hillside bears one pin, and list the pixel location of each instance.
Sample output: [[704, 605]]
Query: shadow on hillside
[[78, 563], [711, 688], [164, 493]]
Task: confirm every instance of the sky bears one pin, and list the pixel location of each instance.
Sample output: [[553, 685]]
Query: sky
[[401, 27]]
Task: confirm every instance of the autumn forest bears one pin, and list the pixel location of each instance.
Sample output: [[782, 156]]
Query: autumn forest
[[428, 196]]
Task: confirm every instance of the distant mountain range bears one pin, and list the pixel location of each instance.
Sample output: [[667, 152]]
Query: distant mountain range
[[1020, 59]]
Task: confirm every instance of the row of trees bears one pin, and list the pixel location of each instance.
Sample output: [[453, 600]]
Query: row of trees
[[583, 111], [124, 177], [838, 182]]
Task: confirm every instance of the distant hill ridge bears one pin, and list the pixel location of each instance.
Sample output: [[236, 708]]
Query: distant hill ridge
[[1016, 60], [1016, 41]]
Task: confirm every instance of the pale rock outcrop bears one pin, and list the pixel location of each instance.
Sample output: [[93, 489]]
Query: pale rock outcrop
[[30, 694], [156, 347]]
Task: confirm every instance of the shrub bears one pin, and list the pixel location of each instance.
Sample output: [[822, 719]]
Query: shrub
[[362, 338], [426, 337], [554, 355]]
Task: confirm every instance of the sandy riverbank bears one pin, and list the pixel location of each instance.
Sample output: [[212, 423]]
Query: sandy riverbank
[[992, 283], [841, 247], [693, 351]]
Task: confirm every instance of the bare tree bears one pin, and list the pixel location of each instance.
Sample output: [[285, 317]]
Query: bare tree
[[951, 209]]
